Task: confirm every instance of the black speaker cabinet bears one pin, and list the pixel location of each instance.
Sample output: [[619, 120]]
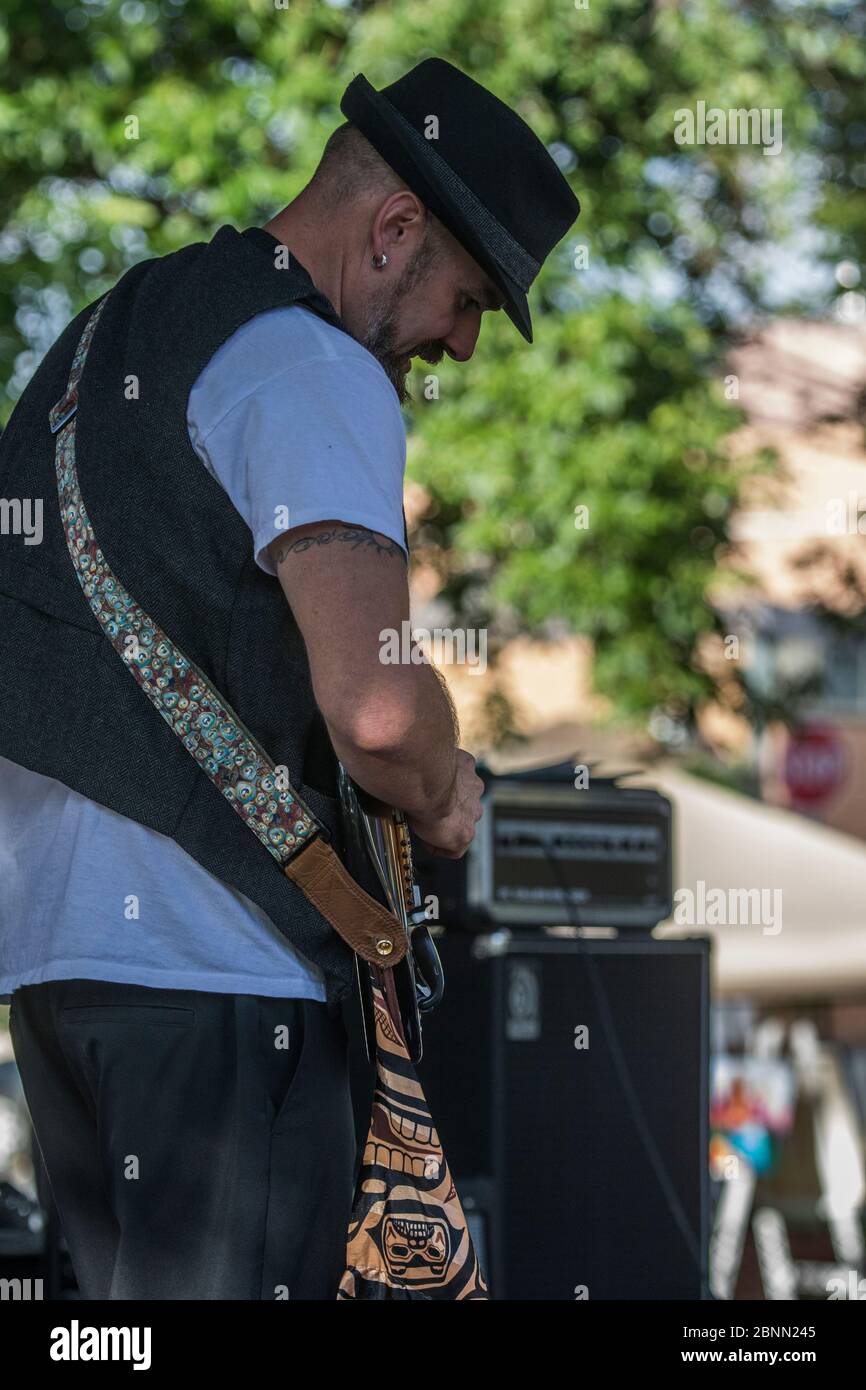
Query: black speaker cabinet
[[569, 1082]]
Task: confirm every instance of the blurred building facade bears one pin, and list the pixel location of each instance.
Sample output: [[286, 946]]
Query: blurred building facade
[[802, 533]]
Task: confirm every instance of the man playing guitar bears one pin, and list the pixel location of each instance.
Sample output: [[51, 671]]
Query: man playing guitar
[[183, 1062]]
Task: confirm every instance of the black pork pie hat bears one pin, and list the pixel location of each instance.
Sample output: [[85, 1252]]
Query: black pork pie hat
[[487, 176]]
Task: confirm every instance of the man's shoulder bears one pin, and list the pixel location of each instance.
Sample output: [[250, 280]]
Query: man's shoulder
[[276, 343], [294, 335]]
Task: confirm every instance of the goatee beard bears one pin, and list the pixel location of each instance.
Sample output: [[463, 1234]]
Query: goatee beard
[[379, 337]]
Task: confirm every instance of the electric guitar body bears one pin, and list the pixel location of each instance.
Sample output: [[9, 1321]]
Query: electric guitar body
[[378, 854]]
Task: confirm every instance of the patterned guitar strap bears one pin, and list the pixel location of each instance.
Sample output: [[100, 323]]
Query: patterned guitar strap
[[408, 1236]]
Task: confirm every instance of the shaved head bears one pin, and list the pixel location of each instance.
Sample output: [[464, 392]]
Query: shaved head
[[350, 168]]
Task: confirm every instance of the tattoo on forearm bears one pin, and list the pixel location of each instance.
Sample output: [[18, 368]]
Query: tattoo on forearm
[[354, 536]]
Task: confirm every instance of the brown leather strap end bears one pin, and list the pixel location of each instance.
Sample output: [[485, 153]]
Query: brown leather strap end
[[370, 929]]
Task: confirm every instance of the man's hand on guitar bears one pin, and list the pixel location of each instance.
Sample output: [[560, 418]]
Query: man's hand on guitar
[[450, 832]]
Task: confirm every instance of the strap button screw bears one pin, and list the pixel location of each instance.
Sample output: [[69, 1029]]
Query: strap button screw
[[384, 946]]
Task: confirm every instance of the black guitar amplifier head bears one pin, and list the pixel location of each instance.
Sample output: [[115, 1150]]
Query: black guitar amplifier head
[[549, 852]]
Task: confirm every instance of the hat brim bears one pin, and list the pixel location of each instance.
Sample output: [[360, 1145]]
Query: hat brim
[[382, 125]]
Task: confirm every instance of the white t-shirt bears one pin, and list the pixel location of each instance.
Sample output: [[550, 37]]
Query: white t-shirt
[[294, 416], [299, 423]]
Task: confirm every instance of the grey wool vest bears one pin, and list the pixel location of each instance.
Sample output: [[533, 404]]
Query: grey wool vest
[[68, 708]]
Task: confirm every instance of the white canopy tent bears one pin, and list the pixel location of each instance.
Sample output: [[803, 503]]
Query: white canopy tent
[[806, 933]]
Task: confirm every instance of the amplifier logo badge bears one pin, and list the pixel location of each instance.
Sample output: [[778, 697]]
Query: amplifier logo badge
[[523, 1002]]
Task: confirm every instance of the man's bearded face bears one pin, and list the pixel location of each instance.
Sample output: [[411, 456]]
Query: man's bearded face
[[381, 333]]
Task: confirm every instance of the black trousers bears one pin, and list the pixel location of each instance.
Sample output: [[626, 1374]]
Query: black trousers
[[198, 1146]]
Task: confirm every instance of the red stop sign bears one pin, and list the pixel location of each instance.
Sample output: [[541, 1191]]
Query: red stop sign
[[815, 763]]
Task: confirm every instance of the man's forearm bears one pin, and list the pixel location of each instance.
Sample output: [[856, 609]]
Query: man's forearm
[[416, 772]]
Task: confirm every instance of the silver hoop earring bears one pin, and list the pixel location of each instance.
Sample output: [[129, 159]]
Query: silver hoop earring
[[379, 261]]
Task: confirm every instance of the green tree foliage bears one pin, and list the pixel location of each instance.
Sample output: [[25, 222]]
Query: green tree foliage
[[127, 130]]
